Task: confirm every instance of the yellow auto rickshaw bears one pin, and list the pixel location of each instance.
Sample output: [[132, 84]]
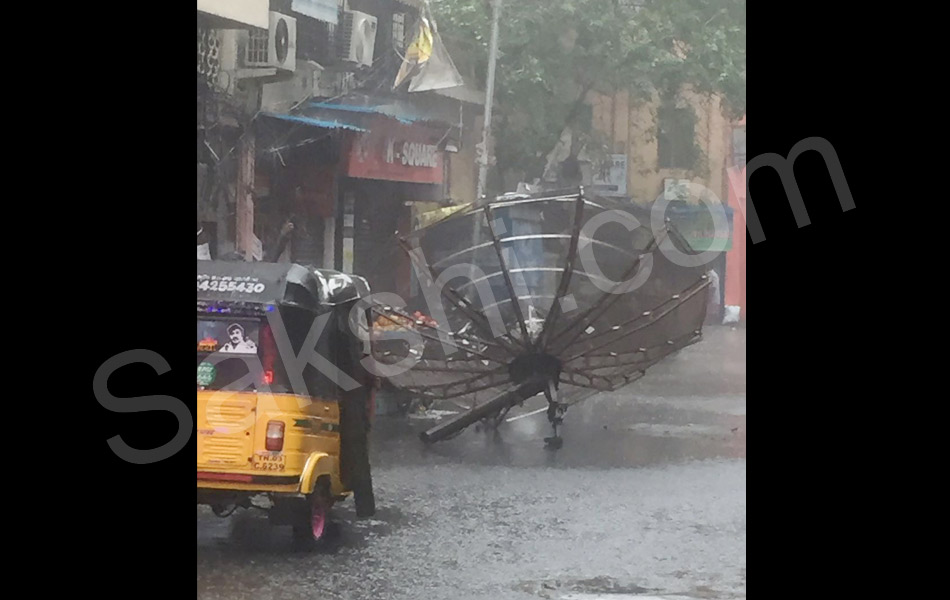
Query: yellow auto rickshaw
[[284, 402]]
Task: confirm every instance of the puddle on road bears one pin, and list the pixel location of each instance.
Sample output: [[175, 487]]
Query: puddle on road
[[250, 532], [612, 597], [608, 588], [665, 429], [585, 589], [628, 597]]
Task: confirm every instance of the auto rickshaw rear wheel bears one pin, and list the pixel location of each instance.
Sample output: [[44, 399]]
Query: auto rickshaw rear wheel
[[313, 523]]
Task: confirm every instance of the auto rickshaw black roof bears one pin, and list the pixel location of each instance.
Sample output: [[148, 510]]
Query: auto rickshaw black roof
[[275, 284]]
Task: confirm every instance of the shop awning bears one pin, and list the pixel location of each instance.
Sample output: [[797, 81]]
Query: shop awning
[[360, 110], [427, 213], [401, 110], [324, 123]]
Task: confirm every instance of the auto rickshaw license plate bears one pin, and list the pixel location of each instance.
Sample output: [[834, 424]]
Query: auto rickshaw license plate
[[265, 461]]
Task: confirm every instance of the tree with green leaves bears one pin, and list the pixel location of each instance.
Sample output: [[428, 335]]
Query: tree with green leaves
[[552, 53]]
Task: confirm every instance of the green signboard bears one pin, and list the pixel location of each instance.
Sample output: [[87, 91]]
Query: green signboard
[[695, 223]]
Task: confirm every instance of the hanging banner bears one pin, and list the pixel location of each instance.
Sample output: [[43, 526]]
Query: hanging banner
[[427, 61], [417, 54]]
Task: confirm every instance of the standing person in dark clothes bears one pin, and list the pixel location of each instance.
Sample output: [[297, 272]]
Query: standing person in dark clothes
[[282, 240]]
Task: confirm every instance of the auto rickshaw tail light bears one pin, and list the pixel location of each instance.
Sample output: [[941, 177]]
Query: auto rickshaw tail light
[[275, 436], [268, 377]]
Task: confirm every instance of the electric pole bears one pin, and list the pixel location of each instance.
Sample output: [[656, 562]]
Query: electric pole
[[489, 100]]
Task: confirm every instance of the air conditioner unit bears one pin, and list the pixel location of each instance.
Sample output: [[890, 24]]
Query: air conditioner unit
[[274, 48], [358, 38]]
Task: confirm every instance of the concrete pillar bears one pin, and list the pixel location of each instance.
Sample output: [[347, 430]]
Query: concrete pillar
[[245, 240], [329, 239]]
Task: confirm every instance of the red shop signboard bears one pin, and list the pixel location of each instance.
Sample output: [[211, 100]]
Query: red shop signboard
[[395, 152]]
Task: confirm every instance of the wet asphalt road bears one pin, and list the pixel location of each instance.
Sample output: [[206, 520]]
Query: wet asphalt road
[[645, 499]]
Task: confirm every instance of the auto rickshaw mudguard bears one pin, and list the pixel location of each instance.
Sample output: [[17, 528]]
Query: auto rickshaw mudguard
[[318, 465]]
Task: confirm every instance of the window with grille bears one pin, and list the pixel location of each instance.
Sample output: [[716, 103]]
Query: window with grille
[[257, 46], [399, 31], [676, 135], [316, 41]]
